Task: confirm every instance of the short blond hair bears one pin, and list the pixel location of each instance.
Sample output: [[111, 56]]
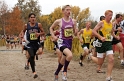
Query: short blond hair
[[63, 7], [107, 11]]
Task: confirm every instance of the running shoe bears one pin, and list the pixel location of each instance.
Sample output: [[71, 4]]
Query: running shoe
[[35, 76], [109, 79], [81, 64], [64, 76], [26, 67], [56, 78]]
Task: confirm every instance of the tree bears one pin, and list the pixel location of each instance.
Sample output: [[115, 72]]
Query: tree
[[15, 23], [45, 21], [56, 14], [93, 21], [75, 12], [83, 17], [29, 6], [3, 16]]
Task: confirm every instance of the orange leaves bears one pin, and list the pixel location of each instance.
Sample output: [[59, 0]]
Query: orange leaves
[[15, 24]]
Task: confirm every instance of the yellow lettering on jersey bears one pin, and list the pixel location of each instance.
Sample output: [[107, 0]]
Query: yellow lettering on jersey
[[68, 32]]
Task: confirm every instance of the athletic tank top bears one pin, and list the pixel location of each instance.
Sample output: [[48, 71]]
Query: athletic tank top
[[87, 35], [31, 37], [116, 27], [105, 31], [66, 31]]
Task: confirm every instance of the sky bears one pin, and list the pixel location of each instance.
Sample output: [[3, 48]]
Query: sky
[[97, 7]]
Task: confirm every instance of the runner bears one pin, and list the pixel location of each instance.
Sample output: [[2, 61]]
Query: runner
[[122, 34], [67, 27], [34, 30], [7, 41], [26, 42], [85, 40], [12, 43], [93, 56], [104, 45], [22, 40], [117, 31]]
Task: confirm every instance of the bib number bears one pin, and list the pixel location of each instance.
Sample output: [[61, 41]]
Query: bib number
[[108, 37], [33, 36], [97, 44], [87, 39], [68, 32], [59, 41]]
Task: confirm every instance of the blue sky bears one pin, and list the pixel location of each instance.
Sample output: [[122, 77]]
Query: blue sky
[[97, 7]]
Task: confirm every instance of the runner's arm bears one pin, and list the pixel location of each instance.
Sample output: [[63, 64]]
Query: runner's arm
[[24, 29], [56, 23], [79, 35]]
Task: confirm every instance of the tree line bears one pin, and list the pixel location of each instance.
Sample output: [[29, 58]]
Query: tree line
[[13, 20]]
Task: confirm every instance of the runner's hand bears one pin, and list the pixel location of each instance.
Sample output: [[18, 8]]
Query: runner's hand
[[37, 34], [23, 40], [55, 38], [102, 39], [117, 37], [81, 40]]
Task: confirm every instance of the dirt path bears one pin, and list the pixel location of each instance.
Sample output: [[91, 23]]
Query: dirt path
[[12, 68]]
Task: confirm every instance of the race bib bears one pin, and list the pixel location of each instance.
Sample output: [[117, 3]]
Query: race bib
[[68, 32], [108, 37], [87, 39], [59, 41], [33, 36], [97, 44]]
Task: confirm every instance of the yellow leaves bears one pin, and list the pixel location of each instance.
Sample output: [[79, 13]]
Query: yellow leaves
[[82, 17], [48, 44], [84, 14], [75, 11], [56, 14], [45, 21]]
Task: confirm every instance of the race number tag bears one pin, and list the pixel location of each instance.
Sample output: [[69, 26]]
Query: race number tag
[[33, 36], [59, 41], [87, 39], [97, 43], [68, 32], [108, 37]]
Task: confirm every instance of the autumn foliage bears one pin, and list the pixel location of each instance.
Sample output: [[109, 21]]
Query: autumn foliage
[[15, 24], [12, 21]]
